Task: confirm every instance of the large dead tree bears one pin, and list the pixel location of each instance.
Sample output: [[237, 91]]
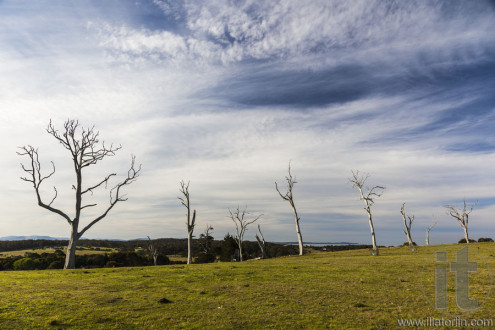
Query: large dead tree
[[407, 224], [428, 232], [368, 197], [85, 150], [462, 216], [238, 217], [191, 222], [261, 243], [290, 198]]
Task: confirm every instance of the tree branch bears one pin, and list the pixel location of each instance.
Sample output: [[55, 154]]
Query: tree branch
[[36, 179], [99, 184], [132, 176]]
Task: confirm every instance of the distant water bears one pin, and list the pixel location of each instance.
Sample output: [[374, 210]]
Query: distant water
[[317, 243]]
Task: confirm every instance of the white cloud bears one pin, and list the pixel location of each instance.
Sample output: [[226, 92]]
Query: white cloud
[[173, 98]]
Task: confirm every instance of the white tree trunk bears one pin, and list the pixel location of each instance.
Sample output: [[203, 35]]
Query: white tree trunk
[[373, 239], [409, 239], [70, 256], [466, 236], [299, 239], [189, 247], [427, 237], [298, 231], [240, 251]]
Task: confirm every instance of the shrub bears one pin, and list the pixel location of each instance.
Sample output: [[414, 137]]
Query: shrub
[[485, 239], [464, 240], [162, 260], [57, 264], [203, 258], [111, 264], [26, 264]]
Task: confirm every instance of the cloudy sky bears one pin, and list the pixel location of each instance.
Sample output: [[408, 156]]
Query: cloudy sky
[[225, 93]]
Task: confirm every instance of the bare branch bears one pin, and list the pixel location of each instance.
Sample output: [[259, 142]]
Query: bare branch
[[132, 175], [36, 179], [89, 205], [104, 181], [54, 197]]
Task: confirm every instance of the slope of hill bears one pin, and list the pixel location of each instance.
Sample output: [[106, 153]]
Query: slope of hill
[[348, 289]]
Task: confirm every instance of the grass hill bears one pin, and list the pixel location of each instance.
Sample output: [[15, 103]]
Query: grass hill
[[347, 289]]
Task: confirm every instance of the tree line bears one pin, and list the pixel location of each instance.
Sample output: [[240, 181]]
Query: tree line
[[133, 253], [86, 150]]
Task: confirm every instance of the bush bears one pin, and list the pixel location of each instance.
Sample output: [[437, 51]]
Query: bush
[[485, 239], [204, 258], [111, 264], [162, 260], [26, 264], [407, 244], [57, 264], [464, 240]]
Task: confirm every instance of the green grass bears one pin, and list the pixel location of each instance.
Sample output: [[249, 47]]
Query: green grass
[[348, 289]]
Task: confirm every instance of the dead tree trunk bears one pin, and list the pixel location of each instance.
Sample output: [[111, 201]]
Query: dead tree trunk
[[241, 225], [428, 233], [70, 255], [85, 150], [368, 199], [289, 197], [407, 224], [261, 243], [190, 223], [153, 250], [462, 216]]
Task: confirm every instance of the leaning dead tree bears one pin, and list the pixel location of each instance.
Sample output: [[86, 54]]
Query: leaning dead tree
[[153, 250], [85, 149], [462, 216], [407, 224], [289, 197], [428, 232], [368, 197], [261, 243], [238, 217], [191, 222]]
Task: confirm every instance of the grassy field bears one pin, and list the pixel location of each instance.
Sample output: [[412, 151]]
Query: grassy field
[[348, 289]]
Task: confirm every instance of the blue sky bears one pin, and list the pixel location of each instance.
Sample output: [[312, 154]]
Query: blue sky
[[226, 93]]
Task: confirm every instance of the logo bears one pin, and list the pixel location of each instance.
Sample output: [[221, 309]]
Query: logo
[[456, 280]]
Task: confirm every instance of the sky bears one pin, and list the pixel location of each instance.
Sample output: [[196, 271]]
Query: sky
[[224, 94]]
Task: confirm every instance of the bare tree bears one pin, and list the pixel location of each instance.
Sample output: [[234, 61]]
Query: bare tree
[[86, 150], [261, 243], [407, 224], [206, 239], [190, 222], [428, 232], [462, 216], [289, 197], [368, 197], [238, 217], [153, 250]]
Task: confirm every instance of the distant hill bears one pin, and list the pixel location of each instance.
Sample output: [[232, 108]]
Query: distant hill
[[49, 238], [22, 238]]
